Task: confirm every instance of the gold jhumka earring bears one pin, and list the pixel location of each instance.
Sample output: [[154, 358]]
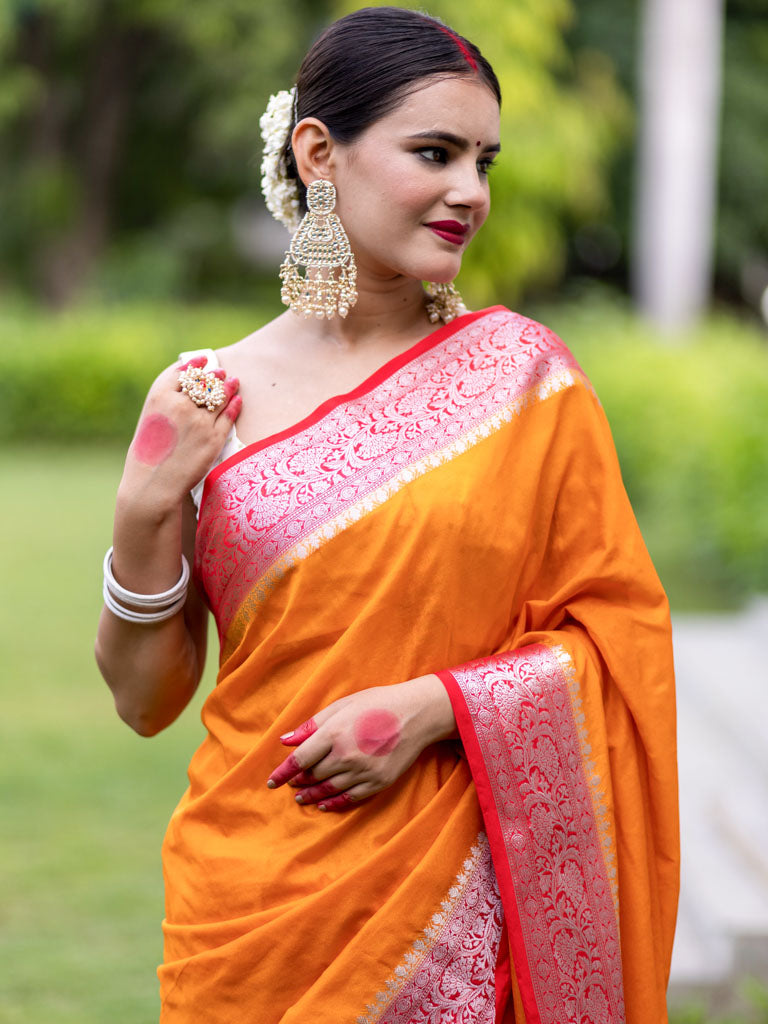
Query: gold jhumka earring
[[321, 245], [446, 303]]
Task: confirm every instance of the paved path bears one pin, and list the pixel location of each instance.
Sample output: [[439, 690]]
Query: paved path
[[722, 685]]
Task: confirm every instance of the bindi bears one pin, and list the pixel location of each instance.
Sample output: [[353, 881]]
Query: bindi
[[477, 143], [377, 732], [155, 439]]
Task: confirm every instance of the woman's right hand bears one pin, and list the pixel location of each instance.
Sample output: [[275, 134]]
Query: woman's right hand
[[153, 671], [176, 441]]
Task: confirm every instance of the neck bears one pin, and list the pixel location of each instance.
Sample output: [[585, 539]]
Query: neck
[[385, 308]]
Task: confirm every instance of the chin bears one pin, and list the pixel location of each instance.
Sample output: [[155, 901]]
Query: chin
[[443, 276], [440, 271], [439, 267]]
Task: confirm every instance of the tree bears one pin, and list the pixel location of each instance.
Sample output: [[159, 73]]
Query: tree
[[741, 251], [677, 154], [129, 130], [123, 120], [741, 229]]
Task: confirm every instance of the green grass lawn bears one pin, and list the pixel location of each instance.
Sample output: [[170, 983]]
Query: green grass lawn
[[84, 800]]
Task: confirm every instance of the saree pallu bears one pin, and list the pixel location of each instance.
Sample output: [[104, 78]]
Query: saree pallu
[[460, 513]]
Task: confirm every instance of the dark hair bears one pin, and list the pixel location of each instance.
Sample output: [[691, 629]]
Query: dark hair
[[361, 67]]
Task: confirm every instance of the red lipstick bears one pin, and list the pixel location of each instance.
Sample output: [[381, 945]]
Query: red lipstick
[[450, 230]]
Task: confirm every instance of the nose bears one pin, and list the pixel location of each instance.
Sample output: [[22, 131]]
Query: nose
[[468, 187]]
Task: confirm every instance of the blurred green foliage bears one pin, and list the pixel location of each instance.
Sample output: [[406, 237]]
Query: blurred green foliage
[[129, 133], [741, 241], [688, 420], [128, 129], [83, 374], [129, 141], [749, 997], [742, 226]]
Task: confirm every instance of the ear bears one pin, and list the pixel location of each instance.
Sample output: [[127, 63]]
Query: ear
[[313, 150]]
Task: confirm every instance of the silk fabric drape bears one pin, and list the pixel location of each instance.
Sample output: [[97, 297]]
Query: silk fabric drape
[[461, 512]]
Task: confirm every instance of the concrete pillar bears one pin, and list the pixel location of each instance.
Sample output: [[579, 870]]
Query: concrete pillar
[[675, 187]]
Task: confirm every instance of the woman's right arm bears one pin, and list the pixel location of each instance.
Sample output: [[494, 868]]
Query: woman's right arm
[[153, 669]]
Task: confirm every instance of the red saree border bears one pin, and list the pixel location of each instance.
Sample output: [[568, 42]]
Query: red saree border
[[495, 838], [272, 509], [517, 724], [386, 370], [453, 971]]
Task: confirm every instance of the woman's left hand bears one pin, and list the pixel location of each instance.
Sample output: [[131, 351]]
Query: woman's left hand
[[362, 743]]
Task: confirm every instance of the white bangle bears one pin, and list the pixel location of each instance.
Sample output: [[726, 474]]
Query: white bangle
[[155, 602], [141, 617]]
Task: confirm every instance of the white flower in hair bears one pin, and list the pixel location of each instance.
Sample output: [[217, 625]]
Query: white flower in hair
[[281, 194]]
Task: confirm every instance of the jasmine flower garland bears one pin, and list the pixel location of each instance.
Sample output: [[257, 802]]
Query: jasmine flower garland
[[280, 193]]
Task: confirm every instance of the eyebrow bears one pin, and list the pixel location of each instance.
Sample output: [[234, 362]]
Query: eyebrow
[[454, 140]]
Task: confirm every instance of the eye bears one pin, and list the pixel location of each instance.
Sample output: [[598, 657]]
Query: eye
[[485, 164], [433, 154]]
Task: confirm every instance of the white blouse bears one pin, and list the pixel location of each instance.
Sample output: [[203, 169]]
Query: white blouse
[[231, 445]]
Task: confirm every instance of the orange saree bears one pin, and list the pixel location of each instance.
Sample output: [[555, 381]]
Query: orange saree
[[462, 513]]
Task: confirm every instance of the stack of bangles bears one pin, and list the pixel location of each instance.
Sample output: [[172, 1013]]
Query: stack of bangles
[[154, 607]]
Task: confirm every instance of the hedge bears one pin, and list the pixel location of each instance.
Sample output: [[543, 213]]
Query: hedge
[[83, 374], [689, 417]]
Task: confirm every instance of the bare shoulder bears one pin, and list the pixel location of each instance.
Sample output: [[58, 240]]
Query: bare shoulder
[[271, 366], [259, 351]]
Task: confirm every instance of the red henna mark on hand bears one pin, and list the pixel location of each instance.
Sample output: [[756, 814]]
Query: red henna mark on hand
[[315, 793], [232, 410], [304, 731], [231, 384], [305, 778], [155, 439], [377, 732], [342, 802], [284, 771], [197, 361]]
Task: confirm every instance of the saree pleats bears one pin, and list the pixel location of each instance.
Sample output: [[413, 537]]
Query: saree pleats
[[460, 513]]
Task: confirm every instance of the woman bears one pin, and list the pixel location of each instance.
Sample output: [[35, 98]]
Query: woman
[[438, 781]]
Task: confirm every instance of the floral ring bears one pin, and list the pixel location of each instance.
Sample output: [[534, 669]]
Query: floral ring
[[203, 387]]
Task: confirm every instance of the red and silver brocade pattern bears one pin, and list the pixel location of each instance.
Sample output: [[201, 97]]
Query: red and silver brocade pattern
[[450, 974], [544, 828], [266, 502]]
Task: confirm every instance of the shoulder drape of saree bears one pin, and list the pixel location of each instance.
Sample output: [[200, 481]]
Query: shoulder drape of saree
[[461, 508], [570, 735]]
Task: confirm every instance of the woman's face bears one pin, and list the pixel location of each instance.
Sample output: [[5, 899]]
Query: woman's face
[[413, 188]]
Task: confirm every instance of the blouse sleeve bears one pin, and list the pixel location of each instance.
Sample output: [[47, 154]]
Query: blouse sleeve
[[232, 443]]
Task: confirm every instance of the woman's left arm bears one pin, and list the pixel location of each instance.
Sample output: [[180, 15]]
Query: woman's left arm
[[362, 743]]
